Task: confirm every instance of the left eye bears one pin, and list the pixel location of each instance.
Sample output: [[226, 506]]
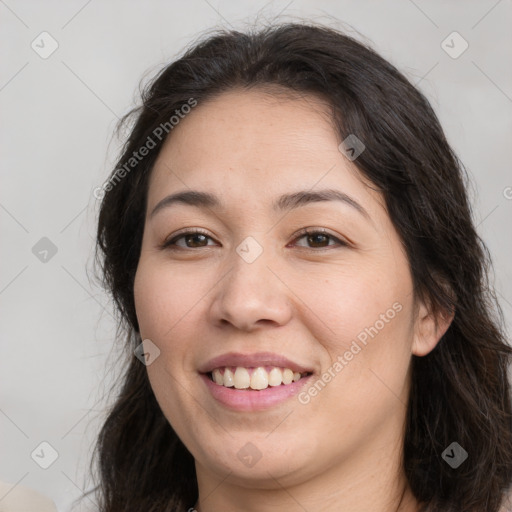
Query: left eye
[[319, 237]]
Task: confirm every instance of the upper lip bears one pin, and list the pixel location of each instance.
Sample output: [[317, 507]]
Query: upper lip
[[252, 361]]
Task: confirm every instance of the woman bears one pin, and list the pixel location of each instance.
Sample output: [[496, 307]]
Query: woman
[[288, 240]]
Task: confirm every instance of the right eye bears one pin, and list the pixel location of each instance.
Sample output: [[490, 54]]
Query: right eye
[[192, 237]]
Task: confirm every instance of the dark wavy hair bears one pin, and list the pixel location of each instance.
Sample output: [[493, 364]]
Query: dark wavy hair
[[459, 391]]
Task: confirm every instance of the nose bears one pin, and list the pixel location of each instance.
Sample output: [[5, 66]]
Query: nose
[[252, 295]]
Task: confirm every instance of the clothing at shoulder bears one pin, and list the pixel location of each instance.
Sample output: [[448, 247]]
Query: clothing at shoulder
[[22, 499], [507, 504]]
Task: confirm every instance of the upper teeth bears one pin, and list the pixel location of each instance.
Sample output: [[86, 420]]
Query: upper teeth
[[254, 378]]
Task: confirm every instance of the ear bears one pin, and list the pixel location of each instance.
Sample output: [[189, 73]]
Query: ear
[[429, 328]]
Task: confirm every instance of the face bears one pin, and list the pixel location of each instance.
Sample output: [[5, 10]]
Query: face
[[334, 305]]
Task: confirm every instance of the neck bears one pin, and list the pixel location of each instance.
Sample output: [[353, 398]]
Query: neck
[[405, 502], [365, 482]]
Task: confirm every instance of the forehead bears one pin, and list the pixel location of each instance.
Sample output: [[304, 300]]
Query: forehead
[[253, 144]]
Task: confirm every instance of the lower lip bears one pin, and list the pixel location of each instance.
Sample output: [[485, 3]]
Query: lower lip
[[250, 399]]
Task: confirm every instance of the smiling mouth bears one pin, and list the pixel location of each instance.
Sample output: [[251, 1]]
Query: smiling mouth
[[254, 379]]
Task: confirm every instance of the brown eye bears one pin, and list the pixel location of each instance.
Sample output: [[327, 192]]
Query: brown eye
[[193, 240], [319, 239]]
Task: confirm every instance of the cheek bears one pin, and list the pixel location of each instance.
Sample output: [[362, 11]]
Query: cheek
[[163, 307], [163, 298], [365, 326], [355, 304], [169, 306]]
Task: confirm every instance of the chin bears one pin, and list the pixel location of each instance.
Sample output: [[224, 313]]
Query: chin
[[259, 462]]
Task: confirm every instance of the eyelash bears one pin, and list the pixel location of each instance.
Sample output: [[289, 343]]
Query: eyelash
[[168, 244]]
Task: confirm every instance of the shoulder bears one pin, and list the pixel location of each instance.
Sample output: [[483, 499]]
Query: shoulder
[[17, 498], [507, 503]]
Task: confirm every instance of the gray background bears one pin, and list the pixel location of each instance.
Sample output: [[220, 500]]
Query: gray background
[[58, 116]]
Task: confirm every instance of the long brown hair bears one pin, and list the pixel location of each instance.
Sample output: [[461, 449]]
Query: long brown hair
[[460, 391]]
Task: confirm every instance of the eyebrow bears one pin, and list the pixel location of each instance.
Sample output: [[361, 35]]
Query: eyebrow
[[283, 203]]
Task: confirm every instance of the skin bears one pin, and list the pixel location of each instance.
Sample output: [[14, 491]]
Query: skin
[[305, 299]]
